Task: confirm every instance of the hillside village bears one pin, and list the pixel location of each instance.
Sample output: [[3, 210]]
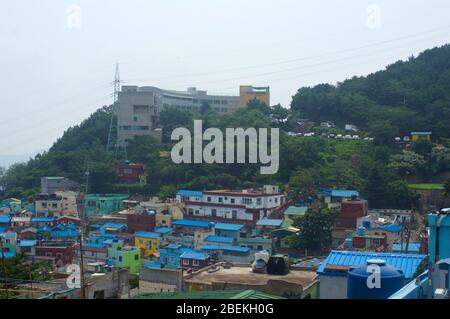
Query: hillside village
[[105, 213]]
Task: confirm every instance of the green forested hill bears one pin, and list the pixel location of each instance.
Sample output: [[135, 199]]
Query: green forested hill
[[407, 96]]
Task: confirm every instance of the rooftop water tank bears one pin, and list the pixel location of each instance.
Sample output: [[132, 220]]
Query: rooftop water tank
[[374, 280], [361, 231]]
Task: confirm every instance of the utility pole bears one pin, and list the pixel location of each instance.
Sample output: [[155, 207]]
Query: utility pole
[[5, 278]]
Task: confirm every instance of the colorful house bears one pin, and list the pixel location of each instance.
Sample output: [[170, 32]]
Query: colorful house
[[103, 204], [415, 136], [170, 255], [9, 243], [128, 257], [147, 242], [193, 259]]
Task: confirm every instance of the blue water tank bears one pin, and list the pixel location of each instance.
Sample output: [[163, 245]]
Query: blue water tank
[[348, 243], [374, 280], [361, 231]]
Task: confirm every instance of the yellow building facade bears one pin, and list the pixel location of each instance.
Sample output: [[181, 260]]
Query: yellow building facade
[[147, 242], [248, 93]]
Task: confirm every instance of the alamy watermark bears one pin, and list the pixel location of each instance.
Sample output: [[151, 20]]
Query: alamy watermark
[[373, 16], [73, 19], [374, 279], [235, 139]]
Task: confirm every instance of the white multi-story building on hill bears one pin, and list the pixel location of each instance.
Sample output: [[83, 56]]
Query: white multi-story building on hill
[[240, 206]]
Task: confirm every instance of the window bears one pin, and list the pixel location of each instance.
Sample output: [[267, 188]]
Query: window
[[209, 199], [258, 201], [120, 258], [135, 119], [276, 199], [220, 200], [232, 200], [195, 263], [234, 213], [186, 262], [136, 257], [246, 201], [214, 212]]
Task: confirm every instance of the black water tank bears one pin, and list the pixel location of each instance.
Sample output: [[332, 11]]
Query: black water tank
[[278, 265]]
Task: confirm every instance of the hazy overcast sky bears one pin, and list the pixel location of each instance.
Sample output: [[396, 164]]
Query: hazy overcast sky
[[56, 71]]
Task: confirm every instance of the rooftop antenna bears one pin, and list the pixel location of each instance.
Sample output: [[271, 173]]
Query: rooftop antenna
[[112, 135]]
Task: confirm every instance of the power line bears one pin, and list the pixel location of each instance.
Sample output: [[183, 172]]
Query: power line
[[298, 58]]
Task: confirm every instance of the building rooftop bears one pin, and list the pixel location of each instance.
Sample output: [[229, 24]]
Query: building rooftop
[[228, 226], [192, 254], [216, 294], [163, 230], [407, 263], [27, 243], [421, 133], [339, 192], [296, 210], [192, 223], [42, 219], [185, 192], [219, 239], [147, 234], [5, 219], [239, 249], [269, 222], [245, 276], [391, 228]]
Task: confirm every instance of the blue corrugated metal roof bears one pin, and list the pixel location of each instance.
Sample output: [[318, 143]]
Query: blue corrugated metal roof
[[64, 233], [93, 245], [163, 230], [27, 243], [339, 192], [4, 219], [186, 192], [192, 223], [10, 234], [391, 227], [226, 247], [269, 222], [192, 254], [412, 247], [147, 234], [228, 226], [407, 263], [9, 254], [219, 239]]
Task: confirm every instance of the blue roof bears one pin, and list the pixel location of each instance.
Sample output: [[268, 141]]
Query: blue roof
[[9, 254], [147, 234], [220, 239], [420, 133], [163, 230], [391, 227], [407, 263], [42, 219], [228, 226], [412, 247], [152, 265], [27, 243], [2, 229], [269, 222], [185, 192], [108, 241], [173, 246], [5, 219], [226, 247], [192, 254], [64, 233], [192, 223], [11, 234], [339, 192]]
